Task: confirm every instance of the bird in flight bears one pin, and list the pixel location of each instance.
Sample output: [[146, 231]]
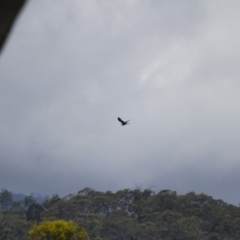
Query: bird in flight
[[123, 122]]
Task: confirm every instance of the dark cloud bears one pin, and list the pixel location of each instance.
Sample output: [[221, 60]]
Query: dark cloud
[[68, 72]]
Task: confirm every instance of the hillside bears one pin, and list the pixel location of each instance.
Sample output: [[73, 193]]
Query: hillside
[[130, 214]]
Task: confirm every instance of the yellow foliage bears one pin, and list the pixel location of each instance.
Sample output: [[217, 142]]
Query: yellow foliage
[[58, 230]]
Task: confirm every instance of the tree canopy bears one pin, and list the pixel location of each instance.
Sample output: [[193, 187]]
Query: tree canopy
[[129, 214], [58, 230]]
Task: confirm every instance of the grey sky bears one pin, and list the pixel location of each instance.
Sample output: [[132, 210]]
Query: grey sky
[[70, 68]]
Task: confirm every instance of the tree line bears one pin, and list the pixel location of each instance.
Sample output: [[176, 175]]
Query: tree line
[[125, 215]]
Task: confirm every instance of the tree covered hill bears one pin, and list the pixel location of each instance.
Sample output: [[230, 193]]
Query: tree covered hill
[[128, 215]]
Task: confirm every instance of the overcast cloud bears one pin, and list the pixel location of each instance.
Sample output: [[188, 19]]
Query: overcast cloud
[[70, 68]]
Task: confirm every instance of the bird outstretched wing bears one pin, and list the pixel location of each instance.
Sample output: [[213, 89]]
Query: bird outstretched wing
[[120, 120]]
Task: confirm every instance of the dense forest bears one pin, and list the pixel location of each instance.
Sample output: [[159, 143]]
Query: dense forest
[[125, 215]]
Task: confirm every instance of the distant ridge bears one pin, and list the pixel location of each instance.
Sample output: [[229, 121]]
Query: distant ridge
[[37, 197]]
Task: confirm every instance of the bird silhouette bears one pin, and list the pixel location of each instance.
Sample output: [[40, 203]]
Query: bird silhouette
[[123, 122]]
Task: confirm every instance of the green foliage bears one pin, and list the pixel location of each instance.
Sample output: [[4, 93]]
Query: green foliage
[[13, 226], [129, 214], [58, 230], [5, 199], [17, 206], [34, 212], [48, 202], [28, 201]]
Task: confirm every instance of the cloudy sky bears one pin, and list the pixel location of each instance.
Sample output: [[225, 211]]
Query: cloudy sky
[[70, 68]]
